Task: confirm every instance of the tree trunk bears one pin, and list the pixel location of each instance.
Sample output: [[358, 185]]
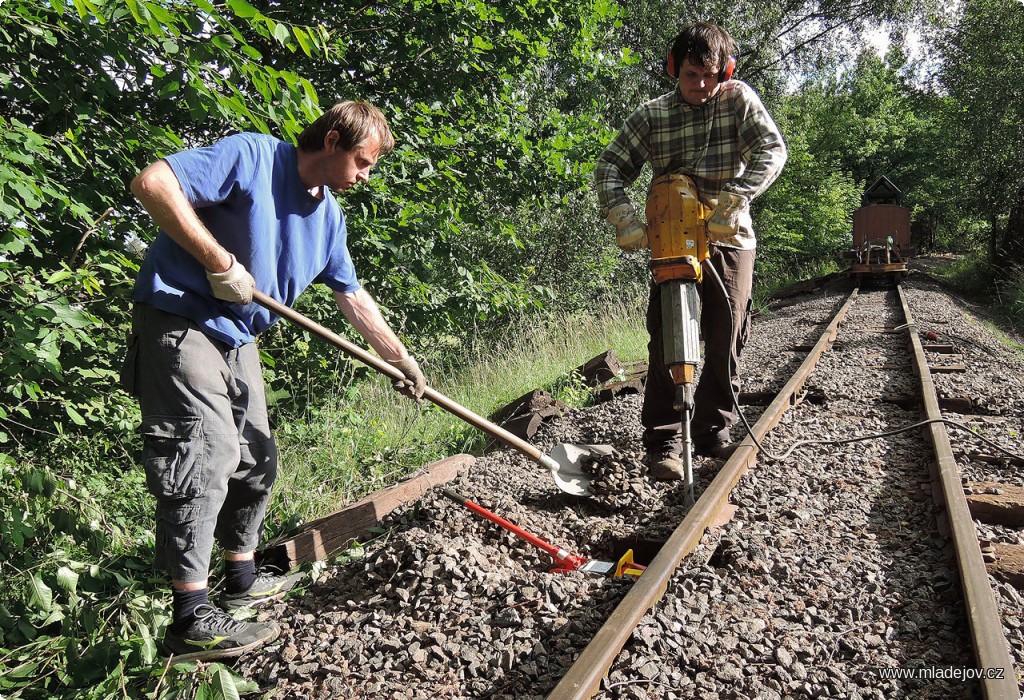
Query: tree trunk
[[993, 241], [1012, 250]]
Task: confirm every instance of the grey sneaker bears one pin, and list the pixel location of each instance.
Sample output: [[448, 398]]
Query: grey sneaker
[[265, 589], [216, 635]]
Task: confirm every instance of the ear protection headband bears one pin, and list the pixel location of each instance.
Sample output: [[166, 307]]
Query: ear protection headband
[[723, 75]]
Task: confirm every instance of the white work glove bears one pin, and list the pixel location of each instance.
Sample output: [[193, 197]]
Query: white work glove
[[414, 383], [235, 284], [630, 234], [725, 220]]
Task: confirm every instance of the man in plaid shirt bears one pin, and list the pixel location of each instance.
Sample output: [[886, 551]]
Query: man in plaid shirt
[[715, 130]]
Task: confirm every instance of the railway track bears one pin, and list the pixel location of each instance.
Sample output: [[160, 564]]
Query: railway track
[[844, 573], [886, 352]]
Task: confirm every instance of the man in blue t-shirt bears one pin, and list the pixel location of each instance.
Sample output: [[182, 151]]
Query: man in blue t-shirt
[[248, 212]]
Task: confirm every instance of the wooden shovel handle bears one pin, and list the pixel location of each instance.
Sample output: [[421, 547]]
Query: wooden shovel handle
[[383, 367]]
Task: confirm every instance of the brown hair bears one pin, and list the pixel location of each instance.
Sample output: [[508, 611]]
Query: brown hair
[[356, 122], [703, 44]]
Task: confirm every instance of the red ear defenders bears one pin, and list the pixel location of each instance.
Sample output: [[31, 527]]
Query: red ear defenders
[[723, 75]]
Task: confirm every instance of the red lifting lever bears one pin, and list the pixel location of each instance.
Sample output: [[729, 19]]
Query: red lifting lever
[[565, 561]]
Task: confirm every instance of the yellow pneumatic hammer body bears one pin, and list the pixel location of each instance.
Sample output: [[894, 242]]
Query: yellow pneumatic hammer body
[[677, 234]]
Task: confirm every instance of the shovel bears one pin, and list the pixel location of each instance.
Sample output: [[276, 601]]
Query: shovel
[[564, 460]]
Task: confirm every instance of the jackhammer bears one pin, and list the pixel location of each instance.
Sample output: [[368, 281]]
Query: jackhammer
[[677, 235]]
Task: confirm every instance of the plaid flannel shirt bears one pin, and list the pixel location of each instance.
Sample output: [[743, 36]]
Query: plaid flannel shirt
[[729, 144]]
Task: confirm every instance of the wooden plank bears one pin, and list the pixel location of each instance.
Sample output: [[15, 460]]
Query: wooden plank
[[957, 404], [803, 287], [952, 404], [941, 348], [756, 398], [946, 369], [612, 389], [600, 369], [323, 537], [997, 504], [636, 370], [525, 426], [527, 403], [552, 411], [997, 459], [1008, 565]]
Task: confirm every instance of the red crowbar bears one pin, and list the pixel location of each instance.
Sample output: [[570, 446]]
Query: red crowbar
[[565, 561]]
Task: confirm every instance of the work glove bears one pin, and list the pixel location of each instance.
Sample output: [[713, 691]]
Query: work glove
[[414, 383], [630, 234], [235, 284], [725, 220]]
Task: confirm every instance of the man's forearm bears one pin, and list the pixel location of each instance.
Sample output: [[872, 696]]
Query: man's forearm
[[619, 165], [610, 186], [157, 188], [766, 153], [761, 172], [362, 312]]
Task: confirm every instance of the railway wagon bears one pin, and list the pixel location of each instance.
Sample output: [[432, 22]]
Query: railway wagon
[[881, 233]]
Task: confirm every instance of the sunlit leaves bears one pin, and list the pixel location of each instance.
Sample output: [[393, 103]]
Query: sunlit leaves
[[147, 76]]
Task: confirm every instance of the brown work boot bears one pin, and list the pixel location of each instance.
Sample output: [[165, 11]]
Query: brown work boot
[[665, 466], [717, 449]]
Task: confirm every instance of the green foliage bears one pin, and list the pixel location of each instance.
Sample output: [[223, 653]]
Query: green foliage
[[804, 219], [480, 224], [78, 616], [985, 125], [145, 78], [572, 390], [58, 362], [973, 278]]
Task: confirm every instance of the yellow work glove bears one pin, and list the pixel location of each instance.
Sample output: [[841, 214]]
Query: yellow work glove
[[414, 383], [235, 284], [630, 234]]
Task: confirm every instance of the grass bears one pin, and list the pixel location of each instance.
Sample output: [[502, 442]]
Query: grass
[[770, 278], [1004, 301], [368, 436]]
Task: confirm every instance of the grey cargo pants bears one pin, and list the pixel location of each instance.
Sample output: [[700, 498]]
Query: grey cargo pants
[[208, 453]]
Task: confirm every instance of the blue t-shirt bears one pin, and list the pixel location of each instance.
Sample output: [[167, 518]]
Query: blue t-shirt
[[247, 191]]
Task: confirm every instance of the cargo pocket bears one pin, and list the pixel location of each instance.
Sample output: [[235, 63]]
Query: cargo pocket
[[174, 456], [176, 525], [128, 366]]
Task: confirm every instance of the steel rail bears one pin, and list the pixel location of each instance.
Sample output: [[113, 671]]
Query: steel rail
[[583, 678], [990, 649]]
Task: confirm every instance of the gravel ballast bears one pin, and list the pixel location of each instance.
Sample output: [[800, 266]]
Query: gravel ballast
[[832, 568]]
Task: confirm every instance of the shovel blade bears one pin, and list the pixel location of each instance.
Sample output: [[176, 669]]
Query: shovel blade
[[567, 469]]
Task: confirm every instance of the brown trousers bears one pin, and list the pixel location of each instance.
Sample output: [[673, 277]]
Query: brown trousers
[[714, 412]]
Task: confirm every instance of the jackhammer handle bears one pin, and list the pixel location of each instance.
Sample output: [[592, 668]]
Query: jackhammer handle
[[383, 367]]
